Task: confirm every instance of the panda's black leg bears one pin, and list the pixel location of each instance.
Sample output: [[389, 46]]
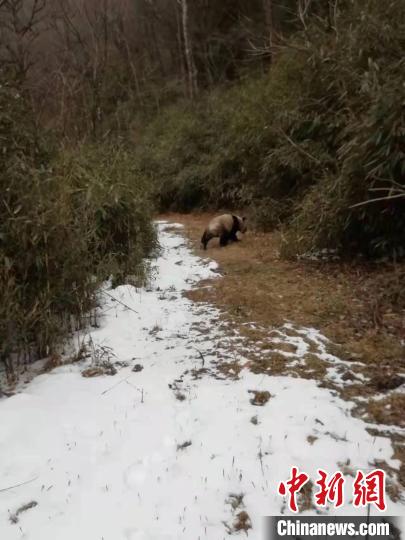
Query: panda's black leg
[[233, 237], [223, 240], [206, 237]]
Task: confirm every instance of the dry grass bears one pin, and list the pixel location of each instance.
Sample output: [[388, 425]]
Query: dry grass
[[339, 299], [242, 521], [305, 497], [389, 410], [260, 397], [400, 454]]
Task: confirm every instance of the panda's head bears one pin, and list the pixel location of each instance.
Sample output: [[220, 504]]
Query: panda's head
[[242, 224]]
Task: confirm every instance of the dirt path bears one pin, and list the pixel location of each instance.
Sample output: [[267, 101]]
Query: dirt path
[[185, 441]]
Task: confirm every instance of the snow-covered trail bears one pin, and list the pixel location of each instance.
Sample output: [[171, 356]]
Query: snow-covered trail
[[155, 454]]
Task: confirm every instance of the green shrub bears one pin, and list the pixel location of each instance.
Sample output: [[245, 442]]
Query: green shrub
[[365, 127], [108, 191], [69, 219]]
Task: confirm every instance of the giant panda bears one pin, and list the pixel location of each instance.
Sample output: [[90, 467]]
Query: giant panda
[[225, 227]]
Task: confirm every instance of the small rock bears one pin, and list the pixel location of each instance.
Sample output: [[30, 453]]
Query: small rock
[[137, 368]]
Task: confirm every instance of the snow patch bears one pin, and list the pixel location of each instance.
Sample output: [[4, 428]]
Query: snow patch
[[156, 453]]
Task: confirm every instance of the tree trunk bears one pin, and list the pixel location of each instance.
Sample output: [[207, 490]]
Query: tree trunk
[[179, 36], [191, 69]]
